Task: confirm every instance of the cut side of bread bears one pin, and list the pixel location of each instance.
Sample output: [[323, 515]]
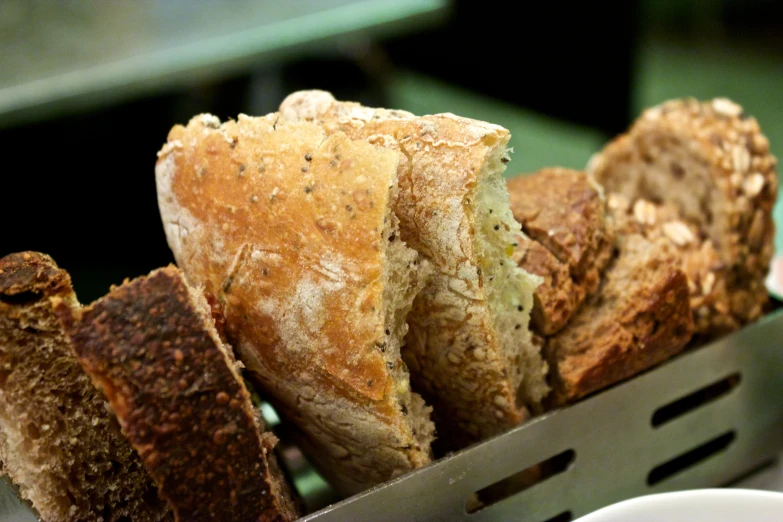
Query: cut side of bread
[[151, 346], [469, 348], [712, 163], [566, 240], [639, 317], [293, 232], [710, 296], [58, 442]]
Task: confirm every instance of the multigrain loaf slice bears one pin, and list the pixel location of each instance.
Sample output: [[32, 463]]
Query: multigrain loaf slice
[[152, 347], [469, 348], [567, 240], [710, 296], [711, 162], [293, 232], [58, 442], [639, 317]]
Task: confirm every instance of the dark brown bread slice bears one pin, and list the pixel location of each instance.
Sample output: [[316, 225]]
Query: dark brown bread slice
[[558, 296], [562, 211], [152, 347], [639, 317], [58, 443]]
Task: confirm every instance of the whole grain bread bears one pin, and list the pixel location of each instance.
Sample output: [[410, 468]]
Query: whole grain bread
[[469, 348], [58, 442], [566, 240], [712, 163], [710, 295], [151, 346], [292, 231], [639, 317]]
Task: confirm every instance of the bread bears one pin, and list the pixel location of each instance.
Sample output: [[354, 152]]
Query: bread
[[58, 443], [639, 317], [293, 232], [566, 240], [710, 298], [151, 346], [469, 348], [711, 162]]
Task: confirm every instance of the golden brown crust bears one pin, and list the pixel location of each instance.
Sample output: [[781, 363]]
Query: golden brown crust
[[178, 398], [639, 317], [286, 226], [562, 212], [467, 357], [729, 162]]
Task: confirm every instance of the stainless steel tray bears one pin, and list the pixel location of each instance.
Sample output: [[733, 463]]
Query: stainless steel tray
[[719, 416], [617, 452]]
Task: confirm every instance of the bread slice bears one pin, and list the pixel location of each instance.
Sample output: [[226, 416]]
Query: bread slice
[[58, 442], [566, 240], [469, 348], [293, 232], [639, 317], [710, 161], [710, 296], [152, 347]]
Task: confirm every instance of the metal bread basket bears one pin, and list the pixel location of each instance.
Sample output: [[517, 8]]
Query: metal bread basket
[[706, 418]]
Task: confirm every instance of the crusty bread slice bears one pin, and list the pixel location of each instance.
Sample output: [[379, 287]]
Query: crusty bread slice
[[567, 240], [710, 161], [469, 347], [152, 347], [58, 443], [293, 232], [639, 317]]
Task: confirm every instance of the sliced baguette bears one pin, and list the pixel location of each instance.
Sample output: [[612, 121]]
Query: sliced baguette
[[58, 442], [293, 232], [469, 348], [151, 346]]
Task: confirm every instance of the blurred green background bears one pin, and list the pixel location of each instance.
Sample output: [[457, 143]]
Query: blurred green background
[[94, 86], [89, 89]]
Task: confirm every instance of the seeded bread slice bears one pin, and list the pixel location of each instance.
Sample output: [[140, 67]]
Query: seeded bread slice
[[58, 442], [710, 296], [152, 347], [712, 163], [639, 317], [566, 240], [469, 348], [293, 231]]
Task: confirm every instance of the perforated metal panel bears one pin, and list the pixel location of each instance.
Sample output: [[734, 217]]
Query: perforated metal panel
[[615, 444]]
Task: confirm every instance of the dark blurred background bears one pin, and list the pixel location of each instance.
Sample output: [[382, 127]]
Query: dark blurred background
[[89, 90]]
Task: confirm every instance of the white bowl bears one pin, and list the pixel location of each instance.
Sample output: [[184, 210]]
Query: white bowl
[[713, 505]]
